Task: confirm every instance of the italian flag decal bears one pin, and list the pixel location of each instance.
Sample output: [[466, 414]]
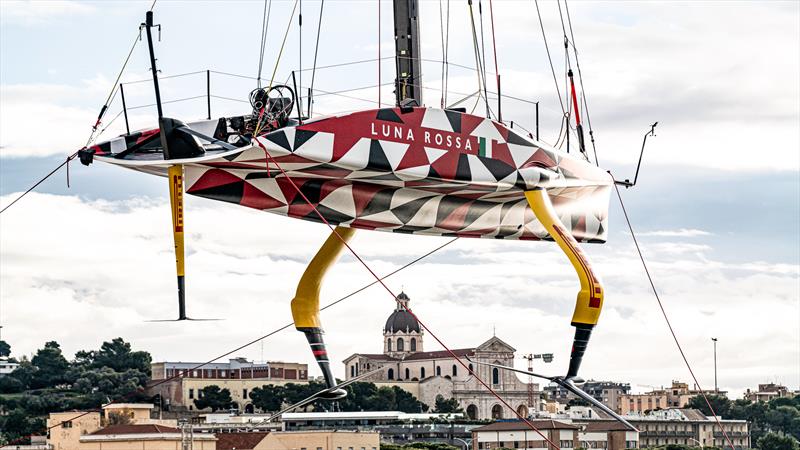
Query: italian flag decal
[[484, 147]]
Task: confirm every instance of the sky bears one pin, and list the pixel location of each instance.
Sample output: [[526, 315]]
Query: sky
[[717, 207]]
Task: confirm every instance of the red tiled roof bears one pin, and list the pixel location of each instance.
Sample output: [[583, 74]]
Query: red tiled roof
[[519, 425], [136, 429], [238, 441]]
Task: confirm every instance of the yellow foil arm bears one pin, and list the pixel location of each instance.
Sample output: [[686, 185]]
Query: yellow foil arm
[[305, 305], [590, 297]]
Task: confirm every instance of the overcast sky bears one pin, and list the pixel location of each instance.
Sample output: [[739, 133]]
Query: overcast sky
[[717, 207]]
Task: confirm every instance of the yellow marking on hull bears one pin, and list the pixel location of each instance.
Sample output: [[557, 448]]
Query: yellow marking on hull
[[590, 298], [305, 305]]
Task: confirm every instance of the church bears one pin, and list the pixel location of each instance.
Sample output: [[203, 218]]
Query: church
[[428, 375]]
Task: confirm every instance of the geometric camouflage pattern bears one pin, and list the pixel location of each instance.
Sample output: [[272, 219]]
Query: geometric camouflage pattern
[[417, 170]]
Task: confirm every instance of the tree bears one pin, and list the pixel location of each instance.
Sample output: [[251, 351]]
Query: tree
[[722, 406], [117, 355], [446, 406], [17, 426], [267, 398], [5, 349], [406, 402], [213, 397], [51, 364], [777, 441]]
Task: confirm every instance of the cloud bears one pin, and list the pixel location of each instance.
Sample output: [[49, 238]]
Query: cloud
[[37, 12], [69, 264], [683, 232]]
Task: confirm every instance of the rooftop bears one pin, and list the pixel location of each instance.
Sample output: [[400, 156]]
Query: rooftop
[[518, 425], [239, 441]]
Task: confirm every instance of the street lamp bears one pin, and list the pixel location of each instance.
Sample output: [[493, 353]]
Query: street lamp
[[466, 444], [716, 389]]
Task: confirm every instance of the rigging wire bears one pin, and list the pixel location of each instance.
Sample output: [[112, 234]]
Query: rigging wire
[[259, 339], [666, 318], [103, 110], [477, 51], [394, 297], [277, 63], [444, 55], [316, 51], [264, 30], [496, 69], [447, 53], [580, 79], [483, 58], [379, 53], [549, 58]]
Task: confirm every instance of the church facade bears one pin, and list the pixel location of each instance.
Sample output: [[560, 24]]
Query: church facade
[[430, 374]]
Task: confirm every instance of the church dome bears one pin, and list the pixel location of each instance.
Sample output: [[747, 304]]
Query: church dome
[[400, 319]]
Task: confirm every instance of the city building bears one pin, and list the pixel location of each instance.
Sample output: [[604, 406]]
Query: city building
[[87, 430], [519, 435], [767, 392], [607, 392], [688, 427], [676, 396], [429, 375], [608, 435], [288, 440], [7, 366], [145, 437], [179, 383]]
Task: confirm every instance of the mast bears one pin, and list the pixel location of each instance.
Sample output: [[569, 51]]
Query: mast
[[408, 89]]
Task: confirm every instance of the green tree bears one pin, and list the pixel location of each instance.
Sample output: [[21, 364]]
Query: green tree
[[722, 406], [785, 419], [117, 355], [267, 398], [5, 349], [406, 402], [446, 406], [51, 364], [10, 385], [213, 397], [778, 441], [17, 426]]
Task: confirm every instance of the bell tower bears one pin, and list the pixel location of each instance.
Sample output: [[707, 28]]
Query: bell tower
[[402, 334]]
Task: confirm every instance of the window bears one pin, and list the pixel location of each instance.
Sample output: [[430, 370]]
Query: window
[[66, 424], [495, 376], [516, 444], [413, 344], [400, 346], [422, 372], [566, 444], [352, 371], [390, 375], [191, 393], [389, 345], [408, 373], [244, 394], [222, 373], [470, 367], [455, 370], [195, 374], [438, 371]]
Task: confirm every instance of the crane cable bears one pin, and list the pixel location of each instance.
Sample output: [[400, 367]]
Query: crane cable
[[269, 159], [666, 318]]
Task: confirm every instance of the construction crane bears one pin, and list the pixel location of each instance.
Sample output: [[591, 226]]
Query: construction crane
[[546, 357]]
